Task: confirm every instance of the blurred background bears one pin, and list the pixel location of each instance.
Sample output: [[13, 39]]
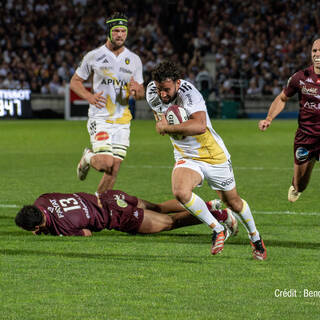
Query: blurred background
[[238, 53]]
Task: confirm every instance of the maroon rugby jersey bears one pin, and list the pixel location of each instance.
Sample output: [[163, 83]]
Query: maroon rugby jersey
[[307, 84], [68, 213]]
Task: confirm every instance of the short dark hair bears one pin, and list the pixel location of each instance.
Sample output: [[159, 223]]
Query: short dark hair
[[29, 217], [166, 70]]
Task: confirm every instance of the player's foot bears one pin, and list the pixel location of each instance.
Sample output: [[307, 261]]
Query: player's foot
[[231, 223], [83, 165], [293, 195], [259, 251], [218, 240], [215, 204]]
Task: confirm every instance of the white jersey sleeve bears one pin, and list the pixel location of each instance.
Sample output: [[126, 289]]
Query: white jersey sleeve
[[85, 68]]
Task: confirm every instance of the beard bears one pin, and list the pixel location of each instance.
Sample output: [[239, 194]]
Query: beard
[[115, 45]]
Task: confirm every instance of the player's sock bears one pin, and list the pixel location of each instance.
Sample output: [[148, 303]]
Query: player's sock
[[197, 207], [247, 220]]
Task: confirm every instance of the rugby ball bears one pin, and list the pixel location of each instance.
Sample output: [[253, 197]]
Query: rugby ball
[[176, 115]]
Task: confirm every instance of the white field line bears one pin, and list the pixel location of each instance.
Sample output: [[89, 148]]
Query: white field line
[[289, 213], [3, 205], [144, 166]]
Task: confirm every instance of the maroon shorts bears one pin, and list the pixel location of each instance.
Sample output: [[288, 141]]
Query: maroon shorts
[[306, 147], [123, 211]]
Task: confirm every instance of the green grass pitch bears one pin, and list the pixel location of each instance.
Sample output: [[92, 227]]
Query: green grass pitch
[[170, 275]]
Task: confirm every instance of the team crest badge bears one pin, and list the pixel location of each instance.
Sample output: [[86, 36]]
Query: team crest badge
[[120, 202], [127, 60]]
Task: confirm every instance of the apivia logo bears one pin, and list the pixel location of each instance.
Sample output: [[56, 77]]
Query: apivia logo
[[302, 154]]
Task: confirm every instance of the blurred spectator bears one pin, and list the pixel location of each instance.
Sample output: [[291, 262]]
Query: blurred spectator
[[262, 39]]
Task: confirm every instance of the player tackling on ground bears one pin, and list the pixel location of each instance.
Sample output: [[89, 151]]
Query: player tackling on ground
[[116, 73], [306, 83], [200, 155], [80, 214]]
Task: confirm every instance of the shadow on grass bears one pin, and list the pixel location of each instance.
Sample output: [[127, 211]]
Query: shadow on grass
[[104, 256]]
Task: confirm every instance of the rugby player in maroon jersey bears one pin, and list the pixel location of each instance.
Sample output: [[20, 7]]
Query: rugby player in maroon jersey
[[306, 83], [80, 214]]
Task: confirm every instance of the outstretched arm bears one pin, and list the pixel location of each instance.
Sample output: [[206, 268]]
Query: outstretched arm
[[276, 107]]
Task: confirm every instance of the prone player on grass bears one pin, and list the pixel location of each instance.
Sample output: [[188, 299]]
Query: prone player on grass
[[80, 214]]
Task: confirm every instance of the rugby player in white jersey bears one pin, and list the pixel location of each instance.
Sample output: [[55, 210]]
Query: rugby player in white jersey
[[116, 74], [200, 154]]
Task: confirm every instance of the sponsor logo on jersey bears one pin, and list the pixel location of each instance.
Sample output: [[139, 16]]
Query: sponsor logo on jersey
[[127, 60], [125, 70], [105, 61], [312, 105], [101, 57], [102, 135], [120, 201], [115, 82], [310, 91], [309, 80], [180, 162]]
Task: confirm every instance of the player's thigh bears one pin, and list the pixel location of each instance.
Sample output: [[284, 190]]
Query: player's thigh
[[155, 222], [186, 178], [219, 176]]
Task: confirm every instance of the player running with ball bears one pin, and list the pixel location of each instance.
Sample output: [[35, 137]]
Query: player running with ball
[[199, 155]]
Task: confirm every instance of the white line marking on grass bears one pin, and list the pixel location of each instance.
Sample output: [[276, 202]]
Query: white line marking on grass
[[288, 213], [145, 166], [8, 206]]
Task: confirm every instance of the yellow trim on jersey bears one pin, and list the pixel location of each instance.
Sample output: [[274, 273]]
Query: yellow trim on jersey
[[180, 150], [126, 117], [111, 107], [209, 151]]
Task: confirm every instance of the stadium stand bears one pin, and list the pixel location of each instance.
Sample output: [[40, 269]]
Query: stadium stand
[[248, 49]]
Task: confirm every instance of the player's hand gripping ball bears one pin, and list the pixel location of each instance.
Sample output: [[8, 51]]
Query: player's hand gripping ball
[[176, 115]]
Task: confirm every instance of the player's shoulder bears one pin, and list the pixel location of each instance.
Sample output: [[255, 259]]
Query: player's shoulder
[[132, 54], [96, 54], [188, 93], [303, 73]]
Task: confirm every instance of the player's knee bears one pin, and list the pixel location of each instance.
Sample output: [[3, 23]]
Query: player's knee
[[102, 163], [182, 195], [235, 204]]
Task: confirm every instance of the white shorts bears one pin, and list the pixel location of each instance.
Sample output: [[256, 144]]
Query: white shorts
[[109, 138], [218, 176]]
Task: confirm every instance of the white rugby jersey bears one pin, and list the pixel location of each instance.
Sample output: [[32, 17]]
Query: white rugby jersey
[[111, 74], [207, 147]]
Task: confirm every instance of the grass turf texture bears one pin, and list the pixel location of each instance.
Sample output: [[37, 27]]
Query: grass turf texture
[[171, 275]]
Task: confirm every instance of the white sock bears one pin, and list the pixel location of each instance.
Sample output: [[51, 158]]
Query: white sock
[[198, 208], [88, 156], [247, 220]]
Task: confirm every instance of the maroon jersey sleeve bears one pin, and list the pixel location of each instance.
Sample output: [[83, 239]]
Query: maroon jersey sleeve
[[292, 86], [68, 214]]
